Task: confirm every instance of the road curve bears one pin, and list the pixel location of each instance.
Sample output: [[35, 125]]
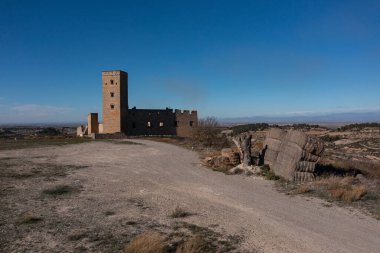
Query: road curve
[[166, 176]]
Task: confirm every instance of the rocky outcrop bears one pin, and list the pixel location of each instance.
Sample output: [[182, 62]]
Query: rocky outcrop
[[293, 154]]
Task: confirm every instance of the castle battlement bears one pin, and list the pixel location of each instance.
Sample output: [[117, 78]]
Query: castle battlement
[[117, 118]]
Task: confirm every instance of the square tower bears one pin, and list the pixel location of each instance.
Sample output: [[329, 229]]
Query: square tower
[[115, 101]]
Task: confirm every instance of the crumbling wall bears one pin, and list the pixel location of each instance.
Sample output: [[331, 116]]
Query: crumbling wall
[[161, 122], [293, 154], [151, 122]]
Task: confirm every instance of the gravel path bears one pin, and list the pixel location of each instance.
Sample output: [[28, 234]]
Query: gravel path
[[165, 176]]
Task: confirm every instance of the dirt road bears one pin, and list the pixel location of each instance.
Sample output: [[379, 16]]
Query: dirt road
[[164, 176]]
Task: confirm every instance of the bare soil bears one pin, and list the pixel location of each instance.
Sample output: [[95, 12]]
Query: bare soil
[[97, 196]]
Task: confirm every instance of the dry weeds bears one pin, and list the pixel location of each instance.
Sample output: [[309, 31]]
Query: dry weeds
[[193, 245], [148, 242], [28, 218], [178, 212], [346, 189], [349, 190]]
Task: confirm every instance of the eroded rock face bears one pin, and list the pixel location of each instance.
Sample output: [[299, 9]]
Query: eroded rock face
[[292, 154]]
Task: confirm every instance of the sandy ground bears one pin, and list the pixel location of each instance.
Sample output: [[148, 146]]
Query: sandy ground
[[161, 176]]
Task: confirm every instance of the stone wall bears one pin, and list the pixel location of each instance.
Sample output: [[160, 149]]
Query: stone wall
[[186, 121], [92, 123], [115, 101], [161, 122]]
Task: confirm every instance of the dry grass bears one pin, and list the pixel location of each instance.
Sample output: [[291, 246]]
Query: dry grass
[[77, 235], [346, 189], [7, 144], [305, 188], [193, 245], [349, 195], [28, 218], [149, 242], [179, 213]]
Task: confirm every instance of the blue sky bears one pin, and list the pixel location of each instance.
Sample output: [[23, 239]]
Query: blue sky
[[223, 58]]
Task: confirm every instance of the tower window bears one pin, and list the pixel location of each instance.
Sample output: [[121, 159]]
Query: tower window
[[133, 124], [111, 81], [191, 123], [148, 124], [112, 106], [161, 124], [176, 123], [112, 94]]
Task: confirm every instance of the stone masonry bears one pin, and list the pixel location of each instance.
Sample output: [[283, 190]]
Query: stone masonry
[[118, 118]]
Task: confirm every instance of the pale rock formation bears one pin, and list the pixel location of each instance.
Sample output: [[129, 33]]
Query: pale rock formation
[[293, 154]]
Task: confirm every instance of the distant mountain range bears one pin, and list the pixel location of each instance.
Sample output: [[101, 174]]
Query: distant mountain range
[[323, 119]]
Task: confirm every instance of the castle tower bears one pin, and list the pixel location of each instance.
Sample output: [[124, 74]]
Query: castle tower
[[115, 101]]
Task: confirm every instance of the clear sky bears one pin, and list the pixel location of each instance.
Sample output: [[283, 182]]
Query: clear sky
[[223, 58]]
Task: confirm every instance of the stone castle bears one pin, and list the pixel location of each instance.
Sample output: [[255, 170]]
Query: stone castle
[[118, 118]]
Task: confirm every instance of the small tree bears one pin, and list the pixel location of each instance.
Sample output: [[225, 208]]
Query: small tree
[[207, 132]]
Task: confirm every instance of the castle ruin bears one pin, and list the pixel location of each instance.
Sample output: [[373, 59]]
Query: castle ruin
[[118, 118]]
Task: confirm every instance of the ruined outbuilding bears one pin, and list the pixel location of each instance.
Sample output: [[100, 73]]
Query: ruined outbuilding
[[119, 118]]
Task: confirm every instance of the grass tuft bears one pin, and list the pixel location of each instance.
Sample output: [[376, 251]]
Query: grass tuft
[[149, 242], [59, 190], [77, 235], [179, 213], [28, 219], [351, 194]]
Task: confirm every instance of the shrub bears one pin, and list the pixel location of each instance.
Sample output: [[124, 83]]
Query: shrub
[[149, 242], [331, 138], [268, 174], [207, 133]]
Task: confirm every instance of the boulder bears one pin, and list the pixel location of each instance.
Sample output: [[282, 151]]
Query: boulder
[[293, 154]]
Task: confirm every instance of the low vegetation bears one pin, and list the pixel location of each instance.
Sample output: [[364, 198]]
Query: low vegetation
[[28, 218], [207, 134], [268, 174], [59, 190], [149, 242], [342, 190], [345, 189], [179, 213], [349, 168], [249, 127], [359, 126], [7, 144], [304, 126], [194, 245], [77, 235], [330, 138]]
